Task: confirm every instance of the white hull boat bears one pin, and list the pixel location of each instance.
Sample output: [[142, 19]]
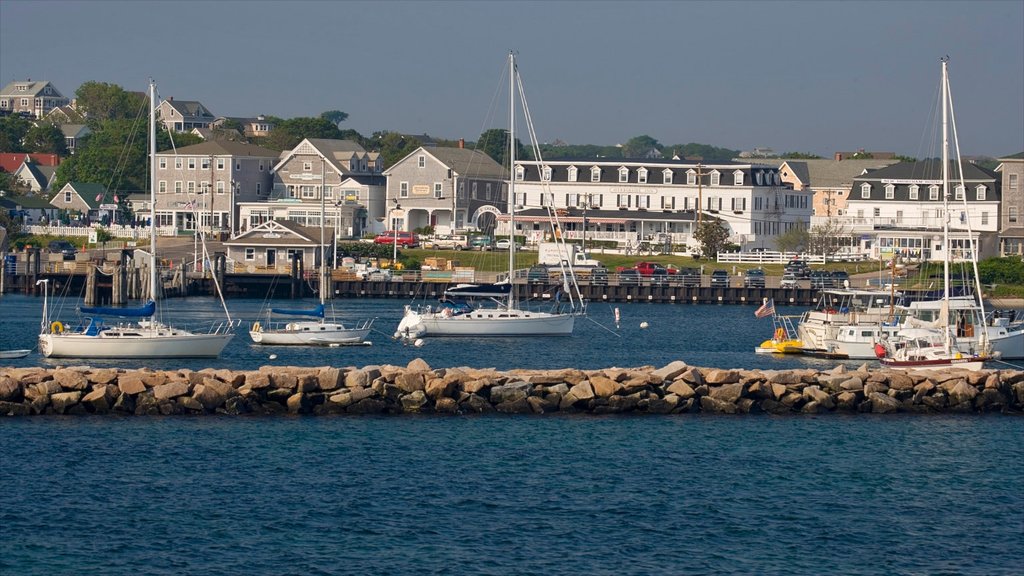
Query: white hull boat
[[310, 333], [485, 322]]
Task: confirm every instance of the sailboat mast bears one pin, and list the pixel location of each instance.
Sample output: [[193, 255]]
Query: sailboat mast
[[511, 174], [153, 292], [945, 204], [323, 216]]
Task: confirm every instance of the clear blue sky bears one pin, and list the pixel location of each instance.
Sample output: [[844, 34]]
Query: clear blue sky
[[793, 76]]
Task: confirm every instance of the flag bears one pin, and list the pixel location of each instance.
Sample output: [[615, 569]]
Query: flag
[[767, 309], [190, 205]]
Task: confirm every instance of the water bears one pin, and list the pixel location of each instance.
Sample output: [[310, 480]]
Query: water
[[512, 495], [701, 335], [903, 494]]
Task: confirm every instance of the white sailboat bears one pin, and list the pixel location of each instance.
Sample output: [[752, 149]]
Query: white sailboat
[[504, 316], [146, 337], [937, 347], [319, 331]]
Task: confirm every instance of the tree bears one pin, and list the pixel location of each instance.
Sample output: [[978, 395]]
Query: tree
[[639, 146], [114, 155], [800, 156], [494, 143], [828, 238], [12, 133], [793, 240], [712, 235], [45, 138], [334, 116], [101, 101], [392, 146]]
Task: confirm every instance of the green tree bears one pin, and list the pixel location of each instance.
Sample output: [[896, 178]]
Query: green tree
[[392, 146], [288, 133], [638, 146], [793, 240], [800, 156], [101, 101], [114, 155], [45, 138], [334, 116], [712, 235], [12, 133], [828, 238], [494, 143]]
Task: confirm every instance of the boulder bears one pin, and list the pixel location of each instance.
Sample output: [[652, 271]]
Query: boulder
[[520, 406], [604, 387], [510, 392], [727, 393], [61, 401], [437, 388], [900, 381], [883, 403], [170, 390], [330, 378], [669, 372], [785, 377], [446, 405], [11, 390], [70, 379], [477, 404], [819, 397], [414, 402], [962, 392], [847, 401], [409, 381], [131, 383], [716, 406], [208, 396], [307, 383], [418, 365], [297, 403], [693, 376], [102, 376], [719, 376], [582, 391], [101, 398], [681, 390]]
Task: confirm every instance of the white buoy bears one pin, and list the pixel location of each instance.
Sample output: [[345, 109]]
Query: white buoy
[[335, 345], [644, 325], [273, 356], [418, 343]]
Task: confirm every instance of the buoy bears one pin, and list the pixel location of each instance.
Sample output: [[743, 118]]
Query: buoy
[[273, 356], [616, 317], [644, 325], [418, 343], [335, 345]]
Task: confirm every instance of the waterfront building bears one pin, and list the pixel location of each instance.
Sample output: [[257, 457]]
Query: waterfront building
[[338, 175], [829, 181], [1011, 221], [84, 202], [28, 98], [272, 245], [184, 115], [661, 201], [447, 188], [201, 186]]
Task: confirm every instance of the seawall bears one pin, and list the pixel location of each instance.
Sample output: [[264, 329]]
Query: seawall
[[417, 388]]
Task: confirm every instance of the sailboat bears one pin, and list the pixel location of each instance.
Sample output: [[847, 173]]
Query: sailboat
[[316, 330], [458, 315], [936, 347], [146, 336]]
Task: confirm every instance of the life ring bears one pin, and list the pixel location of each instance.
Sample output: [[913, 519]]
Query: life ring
[[56, 328], [256, 327]]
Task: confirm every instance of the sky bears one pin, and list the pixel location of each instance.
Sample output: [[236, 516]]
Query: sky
[[817, 77]]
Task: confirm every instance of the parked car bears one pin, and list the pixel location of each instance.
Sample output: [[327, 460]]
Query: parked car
[[598, 276], [404, 239], [840, 278], [820, 279], [629, 277], [754, 278], [481, 243], [798, 268], [788, 281], [720, 279], [503, 244], [689, 276], [448, 242], [62, 247]]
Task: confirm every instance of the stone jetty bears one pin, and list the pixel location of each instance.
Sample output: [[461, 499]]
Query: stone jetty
[[419, 389]]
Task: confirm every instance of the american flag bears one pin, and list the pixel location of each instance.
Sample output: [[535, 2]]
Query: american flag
[[190, 204], [767, 309]]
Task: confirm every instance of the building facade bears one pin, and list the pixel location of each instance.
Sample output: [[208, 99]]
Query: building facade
[[829, 181], [29, 98], [1011, 220], [184, 115]]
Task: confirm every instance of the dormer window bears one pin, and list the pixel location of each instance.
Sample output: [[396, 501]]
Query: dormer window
[[865, 190], [737, 178], [641, 175], [758, 177], [777, 178], [959, 192], [595, 174], [716, 177], [623, 174], [890, 191], [691, 177], [573, 173], [520, 173], [545, 174], [980, 192], [913, 191], [933, 192], [666, 176]]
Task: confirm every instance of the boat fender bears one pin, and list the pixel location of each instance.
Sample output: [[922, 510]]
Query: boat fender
[[256, 327], [56, 328], [959, 356], [879, 351]]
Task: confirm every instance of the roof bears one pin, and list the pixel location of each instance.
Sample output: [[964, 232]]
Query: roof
[[1017, 156], [89, 191], [469, 163], [28, 201], [285, 232], [928, 170], [222, 148], [34, 88], [826, 173], [74, 130], [189, 108], [11, 161]]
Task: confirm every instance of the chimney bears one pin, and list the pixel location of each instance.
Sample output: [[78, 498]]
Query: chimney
[[170, 98], [462, 142]]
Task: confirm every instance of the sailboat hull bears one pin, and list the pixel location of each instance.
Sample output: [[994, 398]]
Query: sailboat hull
[[138, 345], [486, 322], [310, 334]]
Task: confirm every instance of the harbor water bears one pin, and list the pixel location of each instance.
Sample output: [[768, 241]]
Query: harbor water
[[498, 494]]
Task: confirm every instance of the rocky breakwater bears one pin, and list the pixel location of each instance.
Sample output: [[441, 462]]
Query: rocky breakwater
[[418, 388]]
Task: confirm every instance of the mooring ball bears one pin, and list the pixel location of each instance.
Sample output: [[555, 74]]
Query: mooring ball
[[273, 356], [644, 325]]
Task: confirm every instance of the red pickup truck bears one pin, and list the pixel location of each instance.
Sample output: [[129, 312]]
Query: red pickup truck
[[651, 268]]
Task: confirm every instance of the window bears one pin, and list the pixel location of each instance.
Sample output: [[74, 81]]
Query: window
[[403, 190], [865, 190], [67, 197], [220, 187], [437, 189], [162, 187], [329, 192], [716, 178], [259, 187], [573, 173], [691, 178], [238, 165], [220, 163], [643, 201], [739, 204], [666, 176], [890, 191], [980, 192], [177, 187], [668, 202], [1011, 214], [545, 174], [163, 163], [913, 191], [191, 187], [984, 218], [177, 164], [758, 177], [421, 161], [933, 192], [308, 192], [520, 173], [641, 176], [737, 178], [622, 200], [191, 163], [204, 163], [899, 216], [595, 174], [250, 253], [572, 200], [959, 192], [261, 165], [876, 212], [623, 174], [1013, 181]]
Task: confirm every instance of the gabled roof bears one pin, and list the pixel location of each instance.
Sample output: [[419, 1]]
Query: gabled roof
[[331, 150], [34, 88], [826, 173], [11, 161], [37, 202], [222, 148], [1017, 156], [462, 161], [189, 108], [68, 112], [74, 130], [930, 169], [281, 232], [89, 192]]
